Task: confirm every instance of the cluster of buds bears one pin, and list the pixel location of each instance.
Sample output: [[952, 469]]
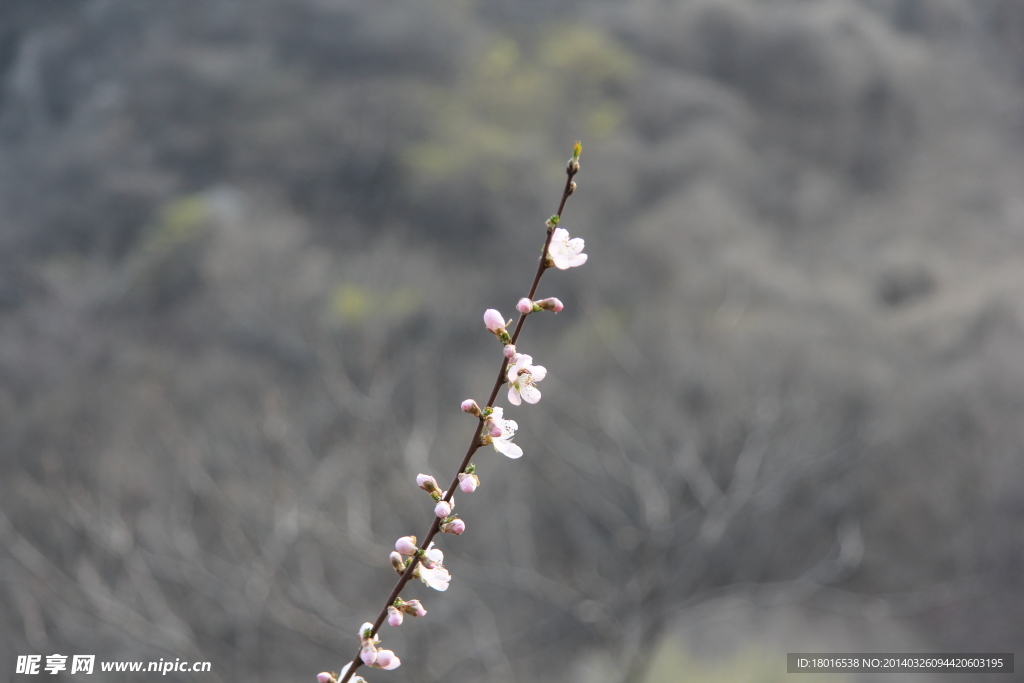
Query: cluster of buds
[[550, 304], [370, 654], [442, 508], [449, 524], [398, 610], [430, 568]]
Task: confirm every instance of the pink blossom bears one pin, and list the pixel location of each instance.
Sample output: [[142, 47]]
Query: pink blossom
[[394, 616], [470, 406], [524, 306], [443, 509], [368, 653], [454, 527], [468, 482], [564, 252], [550, 304], [494, 321], [406, 545], [427, 483], [522, 376], [387, 660]]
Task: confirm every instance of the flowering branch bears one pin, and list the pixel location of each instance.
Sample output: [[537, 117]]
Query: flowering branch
[[421, 559]]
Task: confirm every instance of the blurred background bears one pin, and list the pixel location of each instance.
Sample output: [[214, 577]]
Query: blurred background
[[245, 248]]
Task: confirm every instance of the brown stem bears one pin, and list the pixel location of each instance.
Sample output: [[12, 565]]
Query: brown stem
[[435, 524]]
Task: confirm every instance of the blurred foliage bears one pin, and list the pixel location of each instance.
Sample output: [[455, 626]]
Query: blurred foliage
[[353, 304], [515, 94]]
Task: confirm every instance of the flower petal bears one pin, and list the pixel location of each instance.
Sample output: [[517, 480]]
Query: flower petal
[[513, 396], [531, 394], [508, 449]]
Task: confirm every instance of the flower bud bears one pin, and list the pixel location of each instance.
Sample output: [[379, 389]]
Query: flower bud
[[394, 616], [427, 562], [324, 677], [406, 545], [493, 320], [510, 350], [550, 304], [397, 562], [413, 608], [455, 527], [493, 428], [572, 186], [427, 483], [368, 653], [468, 482], [470, 406], [524, 306], [387, 660], [443, 509]]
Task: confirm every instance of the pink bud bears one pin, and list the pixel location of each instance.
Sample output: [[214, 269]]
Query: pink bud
[[406, 545], [443, 509], [394, 616], [368, 653], [509, 351], [427, 483], [524, 306], [413, 608], [387, 660], [454, 527], [550, 304], [324, 677], [493, 320], [493, 428], [397, 562], [468, 482]]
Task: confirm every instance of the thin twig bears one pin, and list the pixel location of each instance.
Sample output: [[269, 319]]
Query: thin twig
[[435, 524]]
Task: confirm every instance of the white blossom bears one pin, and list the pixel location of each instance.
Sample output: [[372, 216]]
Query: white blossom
[[522, 378], [500, 433], [564, 252]]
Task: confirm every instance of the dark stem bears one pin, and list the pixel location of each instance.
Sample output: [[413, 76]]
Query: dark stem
[[435, 525]]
